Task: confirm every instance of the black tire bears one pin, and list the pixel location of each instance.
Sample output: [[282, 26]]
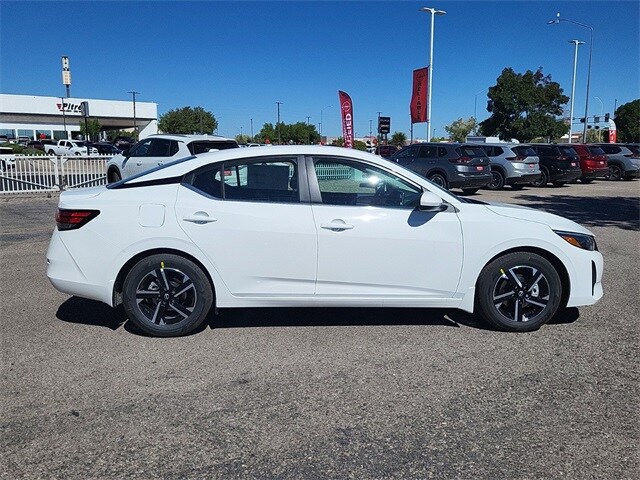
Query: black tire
[[77, 154], [543, 180], [615, 172], [470, 191], [559, 184], [440, 180], [167, 295], [114, 176], [528, 290], [51, 152], [497, 180]]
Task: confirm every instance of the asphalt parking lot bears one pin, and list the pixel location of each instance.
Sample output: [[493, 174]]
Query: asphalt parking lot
[[322, 393]]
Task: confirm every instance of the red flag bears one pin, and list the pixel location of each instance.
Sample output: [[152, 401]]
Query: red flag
[[346, 109], [419, 97]]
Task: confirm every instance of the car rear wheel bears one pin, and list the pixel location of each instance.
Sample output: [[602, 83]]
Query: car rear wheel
[[439, 180], [615, 172], [167, 295], [497, 180], [543, 180], [519, 292]]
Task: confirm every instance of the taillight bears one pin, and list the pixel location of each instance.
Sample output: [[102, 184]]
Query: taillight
[[461, 160], [73, 219], [517, 158]]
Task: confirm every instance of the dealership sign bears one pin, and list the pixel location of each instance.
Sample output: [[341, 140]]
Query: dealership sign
[[70, 106]]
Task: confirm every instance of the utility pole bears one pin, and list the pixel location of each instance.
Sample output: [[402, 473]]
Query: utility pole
[[252, 130], [308, 133], [278, 123], [135, 123]]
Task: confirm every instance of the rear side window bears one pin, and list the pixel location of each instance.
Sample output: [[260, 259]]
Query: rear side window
[[524, 151], [610, 149], [468, 151], [260, 180], [596, 151], [567, 151], [203, 146]]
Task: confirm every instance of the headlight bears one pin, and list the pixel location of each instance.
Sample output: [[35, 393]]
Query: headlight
[[580, 240]]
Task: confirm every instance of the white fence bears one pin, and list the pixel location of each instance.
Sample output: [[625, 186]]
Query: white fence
[[34, 174]]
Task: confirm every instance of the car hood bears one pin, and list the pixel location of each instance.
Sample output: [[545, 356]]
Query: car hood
[[555, 222]]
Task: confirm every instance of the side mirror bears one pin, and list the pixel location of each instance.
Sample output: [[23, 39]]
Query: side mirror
[[429, 201], [125, 152]]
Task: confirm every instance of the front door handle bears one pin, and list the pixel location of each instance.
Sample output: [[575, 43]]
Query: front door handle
[[336, 226]]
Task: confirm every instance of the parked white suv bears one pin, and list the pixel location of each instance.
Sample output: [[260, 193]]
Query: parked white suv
[[512, 164], [156, 150]]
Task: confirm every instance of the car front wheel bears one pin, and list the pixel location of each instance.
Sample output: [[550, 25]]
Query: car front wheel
[[167, 295], [519, 292]]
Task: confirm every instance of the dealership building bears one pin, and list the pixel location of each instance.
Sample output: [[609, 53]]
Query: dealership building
[[56, 117]]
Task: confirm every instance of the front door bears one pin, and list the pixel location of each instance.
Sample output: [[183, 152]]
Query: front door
[[373, 241]]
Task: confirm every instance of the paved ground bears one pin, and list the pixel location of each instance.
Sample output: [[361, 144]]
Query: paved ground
[[327, 393]]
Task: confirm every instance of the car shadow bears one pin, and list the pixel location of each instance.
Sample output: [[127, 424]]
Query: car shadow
[[93, 313], [90, 312], [620, 212]]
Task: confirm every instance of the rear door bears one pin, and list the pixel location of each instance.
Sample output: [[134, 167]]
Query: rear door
[[254, 224]]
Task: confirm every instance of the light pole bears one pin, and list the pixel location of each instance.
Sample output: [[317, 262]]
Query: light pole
[[308, 132], [251, 130], [573, 82], [433, 13], [135, 123], [278, 124], [586, 102]]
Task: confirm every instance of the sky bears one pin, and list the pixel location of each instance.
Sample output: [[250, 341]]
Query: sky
[[237, 59]]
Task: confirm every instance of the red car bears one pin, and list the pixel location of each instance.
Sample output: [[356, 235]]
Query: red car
[[593, 162]]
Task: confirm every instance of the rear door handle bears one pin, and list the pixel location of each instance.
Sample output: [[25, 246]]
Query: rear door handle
[[200, 218]]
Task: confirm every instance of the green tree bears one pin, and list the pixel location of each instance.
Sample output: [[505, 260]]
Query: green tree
[[297, 133], [525, 106], [460, 129], [360, 145], [398, 138], [627, 118], [187, 120], [91, 130]]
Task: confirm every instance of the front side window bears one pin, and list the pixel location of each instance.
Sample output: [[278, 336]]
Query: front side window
[[257, 180], [140, 149], [406, 155], [345, 182], [161, 147]]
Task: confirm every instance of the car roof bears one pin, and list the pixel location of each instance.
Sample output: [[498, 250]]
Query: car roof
[[186, 138], [185, 165]]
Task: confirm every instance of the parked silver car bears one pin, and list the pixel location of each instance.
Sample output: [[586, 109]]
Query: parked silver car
[[624, 163], [156, 150], [516, 165]]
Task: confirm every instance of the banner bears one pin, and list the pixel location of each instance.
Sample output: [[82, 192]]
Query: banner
[[419, 97], [613, 134], [346, 110]]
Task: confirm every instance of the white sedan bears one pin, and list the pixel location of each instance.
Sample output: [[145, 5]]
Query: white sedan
[[312, 226]]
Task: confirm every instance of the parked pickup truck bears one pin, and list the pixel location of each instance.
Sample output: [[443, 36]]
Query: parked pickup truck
[[70, 147]]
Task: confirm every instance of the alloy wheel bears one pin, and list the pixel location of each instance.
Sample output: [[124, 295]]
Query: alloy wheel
[[521, 293], [166, 296]]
